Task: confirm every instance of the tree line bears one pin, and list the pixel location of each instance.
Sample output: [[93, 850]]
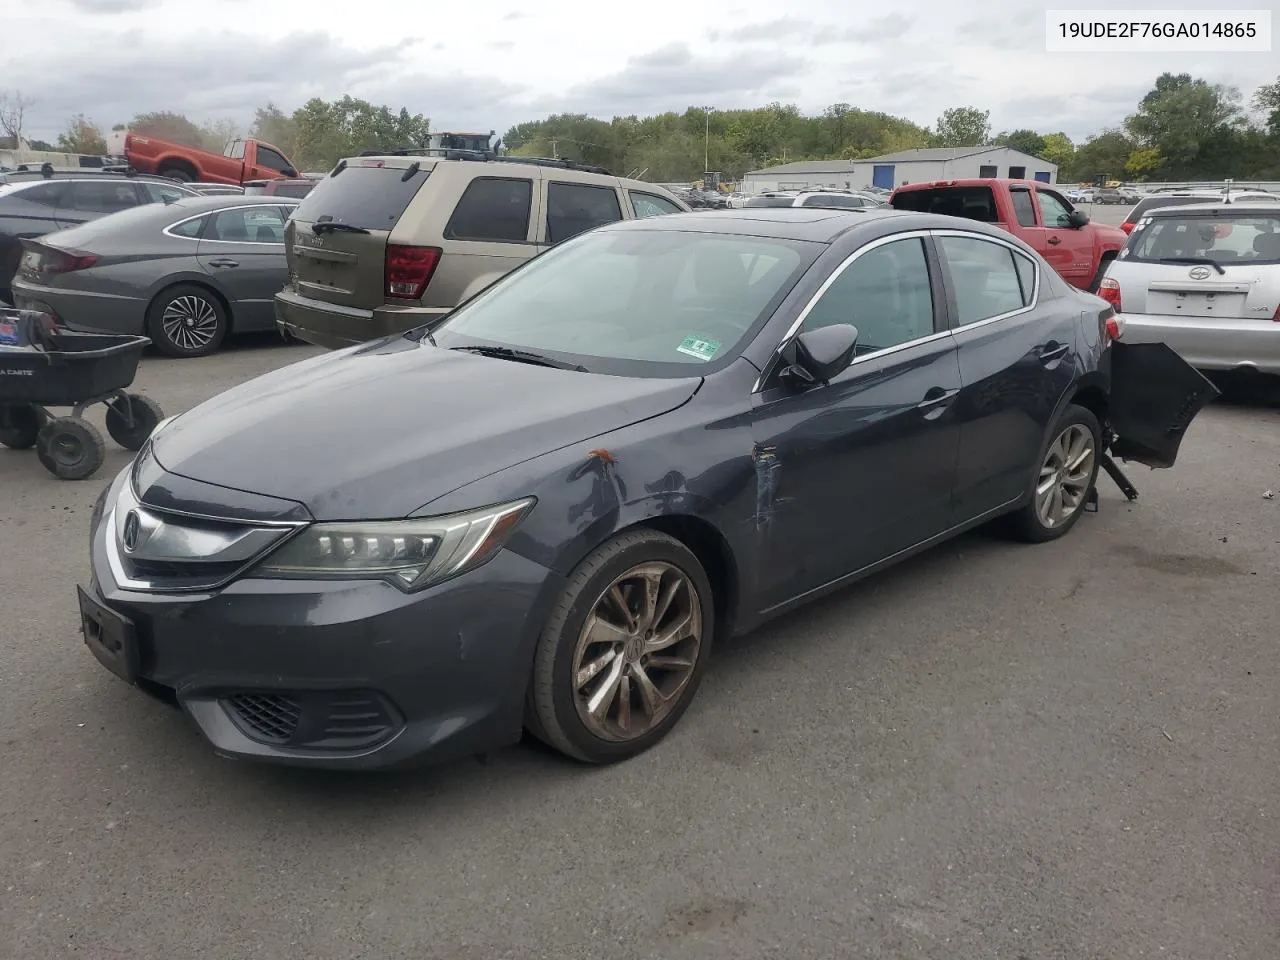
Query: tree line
[[1185, 128]]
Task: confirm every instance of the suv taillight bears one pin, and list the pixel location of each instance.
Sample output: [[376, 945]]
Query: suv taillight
[[1109, 291], [409, 270], [1127, 227]]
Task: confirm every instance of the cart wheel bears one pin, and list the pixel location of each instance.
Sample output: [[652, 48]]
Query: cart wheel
[[70, 449], [146, 414], [20, 423]]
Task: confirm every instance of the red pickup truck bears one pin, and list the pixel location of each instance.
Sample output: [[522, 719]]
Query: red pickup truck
[[1034, 212], [242, 160]]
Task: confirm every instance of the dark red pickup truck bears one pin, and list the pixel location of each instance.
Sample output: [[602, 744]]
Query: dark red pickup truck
[[1034, 212], [242, 160]]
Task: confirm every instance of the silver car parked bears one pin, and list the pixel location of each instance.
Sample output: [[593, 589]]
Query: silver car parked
[[184, 274], [1205, 279]]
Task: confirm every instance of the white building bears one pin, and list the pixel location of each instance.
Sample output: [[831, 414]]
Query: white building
[[905, 166]]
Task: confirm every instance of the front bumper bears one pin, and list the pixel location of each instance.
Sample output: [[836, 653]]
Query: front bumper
[[1211, 343], [333, 326], [353, 674]]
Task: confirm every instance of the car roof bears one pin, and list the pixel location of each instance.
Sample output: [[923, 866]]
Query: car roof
[[63, 174], [1233, 209], [979, 182], [812, 224]]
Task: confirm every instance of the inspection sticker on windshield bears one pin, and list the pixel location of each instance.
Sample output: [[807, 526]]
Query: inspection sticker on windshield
[[702, 349]]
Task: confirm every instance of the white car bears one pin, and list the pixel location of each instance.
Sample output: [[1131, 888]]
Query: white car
[[1205, 279], [817, 198]]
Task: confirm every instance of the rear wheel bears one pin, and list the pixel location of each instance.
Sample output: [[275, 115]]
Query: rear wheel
[[1062, 483], [20, 424], [624, 649], [181, 174], [131, 426], [187, 321], [70, 449]]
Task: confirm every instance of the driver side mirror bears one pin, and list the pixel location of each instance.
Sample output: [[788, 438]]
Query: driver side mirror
[[1077, 219], [816, 356]]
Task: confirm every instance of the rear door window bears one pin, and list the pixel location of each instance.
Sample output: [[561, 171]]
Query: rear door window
[[366, 196], [648, 205], [248, 225], [986, 277], [104, 197], [492, 209], [574, 208], [44, 194]]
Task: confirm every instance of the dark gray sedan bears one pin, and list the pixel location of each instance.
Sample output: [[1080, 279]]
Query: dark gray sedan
[[184, 274], [544, 512]]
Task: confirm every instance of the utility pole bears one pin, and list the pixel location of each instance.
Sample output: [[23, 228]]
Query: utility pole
[[554, 154], [706, 156]]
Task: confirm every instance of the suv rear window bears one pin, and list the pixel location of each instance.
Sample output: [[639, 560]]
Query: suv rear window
[[1217, 235], [770, 202], [495, 209], [1155, 203], [972, 203], [372, 198]]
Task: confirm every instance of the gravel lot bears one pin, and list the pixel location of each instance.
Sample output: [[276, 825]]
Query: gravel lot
[[994, 751]]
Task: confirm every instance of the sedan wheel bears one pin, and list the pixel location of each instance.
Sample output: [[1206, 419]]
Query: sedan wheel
[[1064, 478], [637, 651], [187, 321], [623, 651]]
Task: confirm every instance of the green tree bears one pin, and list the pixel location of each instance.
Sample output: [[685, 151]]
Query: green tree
[[1182, 117], [1142, 162], [1028, 141], [1058, 149], [1104, 154], [82, 136], [325, 132], [962, 127], [166, 125], [1266, 99]]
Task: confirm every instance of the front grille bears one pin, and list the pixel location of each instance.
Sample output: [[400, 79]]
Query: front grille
[[325, 720], [271, 716]]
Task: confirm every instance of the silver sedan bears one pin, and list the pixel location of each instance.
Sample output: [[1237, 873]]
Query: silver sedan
[[184, 274]]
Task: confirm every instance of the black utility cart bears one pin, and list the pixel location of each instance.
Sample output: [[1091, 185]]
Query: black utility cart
[[54, 367]]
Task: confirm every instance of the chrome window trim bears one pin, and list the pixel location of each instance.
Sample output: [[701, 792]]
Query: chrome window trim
[[826, 285], [213, 213], [999, 241]]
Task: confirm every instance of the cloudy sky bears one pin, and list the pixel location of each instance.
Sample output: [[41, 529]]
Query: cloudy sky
[[485, 64]]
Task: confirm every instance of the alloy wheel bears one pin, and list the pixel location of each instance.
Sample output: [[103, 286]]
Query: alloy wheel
[[637, 651], [1065, 475], [190, 323]]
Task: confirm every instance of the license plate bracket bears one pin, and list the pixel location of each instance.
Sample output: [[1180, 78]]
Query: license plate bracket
[[111, 638]]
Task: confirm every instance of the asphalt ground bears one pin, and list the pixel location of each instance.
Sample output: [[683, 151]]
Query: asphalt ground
[[992, 751]]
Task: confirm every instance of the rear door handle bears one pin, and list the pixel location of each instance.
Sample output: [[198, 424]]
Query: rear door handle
[[935, 401], [1054, 241], [1052, 351], [224, 262]]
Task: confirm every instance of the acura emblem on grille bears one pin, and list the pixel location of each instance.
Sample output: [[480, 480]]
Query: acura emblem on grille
[[1199, 273], [129, 535]]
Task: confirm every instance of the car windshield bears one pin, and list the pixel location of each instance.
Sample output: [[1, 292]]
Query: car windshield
[[635, 302], [1225, 238]]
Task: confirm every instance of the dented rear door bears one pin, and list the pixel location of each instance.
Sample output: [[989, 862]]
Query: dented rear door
[[1155, 395]]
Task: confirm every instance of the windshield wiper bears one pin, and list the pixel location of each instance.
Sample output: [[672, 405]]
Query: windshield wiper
[[1207, 261], [524, 356], [329, 226]]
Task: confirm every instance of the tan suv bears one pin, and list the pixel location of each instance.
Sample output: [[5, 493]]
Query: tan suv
[[384, 244]]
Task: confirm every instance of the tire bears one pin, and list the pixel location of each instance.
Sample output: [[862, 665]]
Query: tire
[[146, 415], [181, 174], [20, 424], [556, 711], [1029, 523], [70, 449], [1106, 261], [187, 320]]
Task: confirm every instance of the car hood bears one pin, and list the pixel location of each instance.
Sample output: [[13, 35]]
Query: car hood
[[1109, 234], [377, 431]]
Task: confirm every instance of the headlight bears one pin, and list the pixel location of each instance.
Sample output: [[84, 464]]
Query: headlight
[[411, 554]]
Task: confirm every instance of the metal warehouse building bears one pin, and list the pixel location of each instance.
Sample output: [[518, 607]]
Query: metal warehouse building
[[905, 166]]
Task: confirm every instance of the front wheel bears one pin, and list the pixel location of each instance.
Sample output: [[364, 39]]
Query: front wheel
[[623, 652], [70, 449], [187, 321], [1064, 479]]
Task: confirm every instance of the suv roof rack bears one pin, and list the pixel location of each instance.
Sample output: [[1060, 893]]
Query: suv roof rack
[[48, 170], [485, 156]]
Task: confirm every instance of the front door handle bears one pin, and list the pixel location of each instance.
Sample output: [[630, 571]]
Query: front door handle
[[224, 262], [1052, 352], [1054, 241], [935, 401]]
